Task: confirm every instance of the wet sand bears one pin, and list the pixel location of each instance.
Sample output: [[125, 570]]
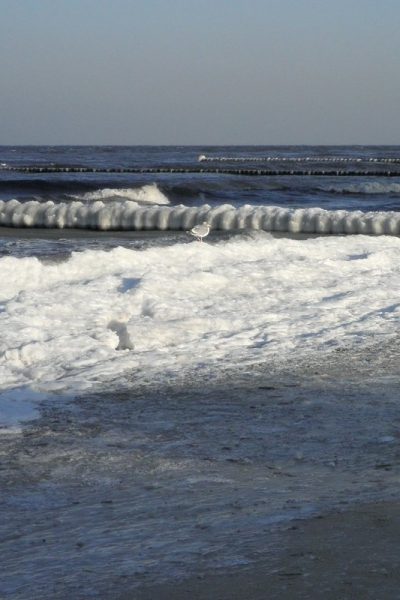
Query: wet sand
[[262, 486], [353, 555]]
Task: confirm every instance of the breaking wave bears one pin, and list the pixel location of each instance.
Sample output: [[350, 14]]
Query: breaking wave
[[147, 194], [129, 215], [368, 187]]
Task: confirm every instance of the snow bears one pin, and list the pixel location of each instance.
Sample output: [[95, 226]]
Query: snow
[[132, 317]]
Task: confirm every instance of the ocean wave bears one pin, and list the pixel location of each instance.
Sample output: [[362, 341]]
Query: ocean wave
[[147, 194], [368, 187], [129, 215]]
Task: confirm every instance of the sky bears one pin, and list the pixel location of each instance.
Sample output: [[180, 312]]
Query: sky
[[199, 72]]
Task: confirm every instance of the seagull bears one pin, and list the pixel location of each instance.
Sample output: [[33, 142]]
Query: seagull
[[200, 231]]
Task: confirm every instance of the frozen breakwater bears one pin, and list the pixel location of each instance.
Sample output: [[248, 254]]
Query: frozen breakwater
[[129, 215]]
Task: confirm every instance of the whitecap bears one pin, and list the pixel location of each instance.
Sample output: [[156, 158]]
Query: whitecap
[[368, 187], [147, 194]]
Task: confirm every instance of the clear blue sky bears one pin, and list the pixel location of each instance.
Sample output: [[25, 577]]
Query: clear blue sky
[[199, 71]]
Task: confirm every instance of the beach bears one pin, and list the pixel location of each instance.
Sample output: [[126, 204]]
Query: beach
[[276, 485], [351, 555]]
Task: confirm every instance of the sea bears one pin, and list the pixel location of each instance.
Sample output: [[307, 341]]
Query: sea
[[166, 404], [288, 189]]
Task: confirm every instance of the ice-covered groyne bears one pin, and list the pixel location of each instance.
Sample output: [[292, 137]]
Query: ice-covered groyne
[[303, 170], [301, 159], [129, 215]]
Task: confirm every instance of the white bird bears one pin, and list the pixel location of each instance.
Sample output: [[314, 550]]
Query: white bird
[[200, 231]]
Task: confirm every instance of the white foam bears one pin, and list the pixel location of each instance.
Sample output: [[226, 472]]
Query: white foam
[[368, 187], [127, 215], [129, 317], [147, 194]]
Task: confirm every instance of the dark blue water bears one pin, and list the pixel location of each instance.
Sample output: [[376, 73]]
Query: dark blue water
[[361, 193]]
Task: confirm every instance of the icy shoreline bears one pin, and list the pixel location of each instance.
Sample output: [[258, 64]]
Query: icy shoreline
[[131, 317], [114, 491]]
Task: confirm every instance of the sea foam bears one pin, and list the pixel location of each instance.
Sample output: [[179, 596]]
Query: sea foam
[[147, 194], [367, 187]]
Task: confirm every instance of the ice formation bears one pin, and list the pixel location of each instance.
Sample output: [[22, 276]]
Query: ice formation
[[128, 215]]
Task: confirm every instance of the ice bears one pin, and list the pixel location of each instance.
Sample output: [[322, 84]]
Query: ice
[[128, 317], [129, 215]]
